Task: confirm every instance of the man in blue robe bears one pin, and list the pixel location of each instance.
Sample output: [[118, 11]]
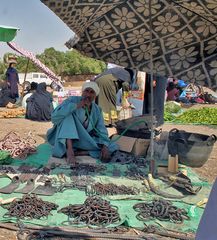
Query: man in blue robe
[[79, 125]]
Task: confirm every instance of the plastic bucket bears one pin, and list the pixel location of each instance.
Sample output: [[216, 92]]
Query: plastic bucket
[[193, 149]]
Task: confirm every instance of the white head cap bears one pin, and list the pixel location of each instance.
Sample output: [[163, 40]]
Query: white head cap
[[92, 85]]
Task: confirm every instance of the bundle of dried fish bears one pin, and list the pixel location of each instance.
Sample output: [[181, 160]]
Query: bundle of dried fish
[[86, 169], [17, 146], [156, 189], [41, 170], [162, 210], [181, 182], [7, 169], [94, 211], [126, 158], [135, 173], [122, 158], [112, 189], [30, 207], [81, 182]]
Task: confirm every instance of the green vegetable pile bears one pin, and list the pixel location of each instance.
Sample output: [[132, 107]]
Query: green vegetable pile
[[198, 116], [5, 157], [171, 109]]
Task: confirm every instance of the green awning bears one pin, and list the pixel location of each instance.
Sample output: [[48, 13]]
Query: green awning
[[7, 33]]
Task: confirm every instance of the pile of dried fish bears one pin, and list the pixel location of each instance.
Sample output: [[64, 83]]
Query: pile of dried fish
[[181, 182], [81, 182], [7, 169], [94, 211], [135, 173], [122, 158], [126, 158], [30, 207], [17, 146], [24, 168], [112, 189], [157, 190], [86, 169], [162, 210]]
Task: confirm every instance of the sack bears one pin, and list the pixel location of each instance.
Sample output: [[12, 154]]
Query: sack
[[193, 149], [209, 98]]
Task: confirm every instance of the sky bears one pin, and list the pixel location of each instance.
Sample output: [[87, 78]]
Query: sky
[[39, 27]]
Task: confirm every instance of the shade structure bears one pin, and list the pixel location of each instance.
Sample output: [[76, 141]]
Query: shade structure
[[7, 33], [183, 42]]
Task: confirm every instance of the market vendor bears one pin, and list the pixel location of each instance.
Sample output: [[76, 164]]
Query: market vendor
[[79, 126], [5, 95], [39, 105]]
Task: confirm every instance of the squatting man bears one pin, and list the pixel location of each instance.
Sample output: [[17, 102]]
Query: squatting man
[[78, 128]]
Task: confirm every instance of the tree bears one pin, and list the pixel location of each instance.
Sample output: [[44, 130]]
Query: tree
[[62, 63]]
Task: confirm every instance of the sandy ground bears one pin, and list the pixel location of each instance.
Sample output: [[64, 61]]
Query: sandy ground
[[39, 129]]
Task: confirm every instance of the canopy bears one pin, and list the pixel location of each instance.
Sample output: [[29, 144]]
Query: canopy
[[180, 36], [7, 33]]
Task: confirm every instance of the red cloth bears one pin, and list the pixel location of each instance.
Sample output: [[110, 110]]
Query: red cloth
[[172, 94]]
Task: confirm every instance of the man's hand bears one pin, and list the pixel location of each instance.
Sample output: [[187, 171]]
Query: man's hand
[[85, 102], [105, 155]]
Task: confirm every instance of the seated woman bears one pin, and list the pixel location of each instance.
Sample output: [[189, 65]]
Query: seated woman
[[5, 96], [29, 93], [39, 104], [79, 125]]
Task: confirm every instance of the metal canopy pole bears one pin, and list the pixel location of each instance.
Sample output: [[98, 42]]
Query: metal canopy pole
[[152, 166], [23, 85]]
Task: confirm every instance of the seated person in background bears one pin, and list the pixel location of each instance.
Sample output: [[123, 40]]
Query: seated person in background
[[172, 92], [39, 104], [79, 125], [29, 93], [5, 96]]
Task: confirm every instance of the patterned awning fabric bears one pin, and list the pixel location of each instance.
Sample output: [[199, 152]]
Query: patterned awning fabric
[[184, 34], [36, 61]]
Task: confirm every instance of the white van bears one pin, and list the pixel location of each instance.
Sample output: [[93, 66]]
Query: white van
[[34, 77]]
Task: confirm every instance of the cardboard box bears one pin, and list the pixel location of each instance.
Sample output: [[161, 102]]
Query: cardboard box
[[136, 146]]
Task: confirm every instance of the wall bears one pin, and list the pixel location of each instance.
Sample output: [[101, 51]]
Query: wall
[[76, 80]]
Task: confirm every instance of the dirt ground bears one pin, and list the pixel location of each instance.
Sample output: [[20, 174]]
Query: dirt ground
[[38, 129]]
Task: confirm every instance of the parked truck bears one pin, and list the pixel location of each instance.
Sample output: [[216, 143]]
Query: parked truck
[[34, 77]]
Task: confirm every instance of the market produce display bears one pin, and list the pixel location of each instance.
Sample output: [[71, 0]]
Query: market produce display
[[199, 116], [12, 113]]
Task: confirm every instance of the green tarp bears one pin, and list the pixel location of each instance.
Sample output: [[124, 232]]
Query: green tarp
[[124, 203]]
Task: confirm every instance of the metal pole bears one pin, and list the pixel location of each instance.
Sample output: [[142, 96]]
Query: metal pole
[[152, 166], [23, 85]]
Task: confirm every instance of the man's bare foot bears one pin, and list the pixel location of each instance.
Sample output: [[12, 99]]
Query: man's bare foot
[[70, 158], [81, 153]]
